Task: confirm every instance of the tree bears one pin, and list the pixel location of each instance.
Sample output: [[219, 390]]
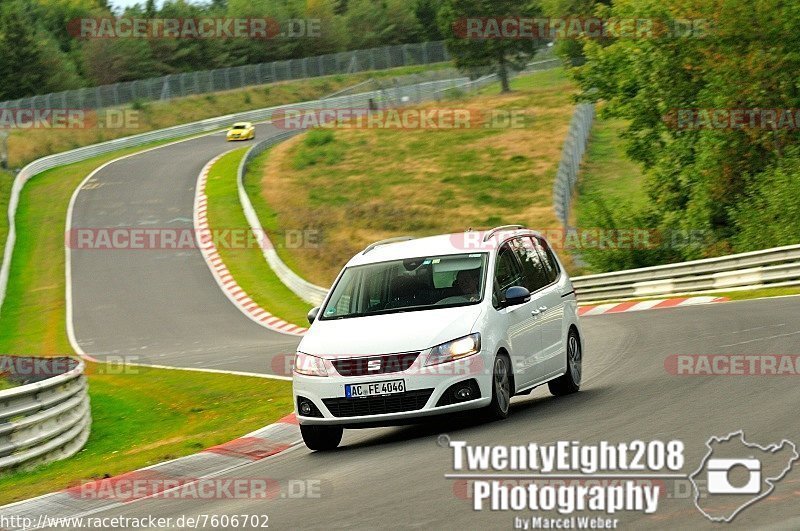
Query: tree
[[331, 37], [712, 178], [109, 61], [500, 54], [31, 62], [427, 13], [372, 23]]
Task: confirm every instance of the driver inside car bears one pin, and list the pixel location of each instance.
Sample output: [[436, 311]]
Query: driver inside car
[[467, 283]]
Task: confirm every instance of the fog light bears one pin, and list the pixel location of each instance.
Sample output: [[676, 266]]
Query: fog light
[[305, 408], [460, 392], [464, 393]]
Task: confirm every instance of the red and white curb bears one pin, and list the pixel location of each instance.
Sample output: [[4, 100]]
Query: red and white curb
[[224, 279], [168, 479], [637, 306]]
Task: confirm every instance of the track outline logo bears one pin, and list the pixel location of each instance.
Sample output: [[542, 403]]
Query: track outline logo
[[770, 481]]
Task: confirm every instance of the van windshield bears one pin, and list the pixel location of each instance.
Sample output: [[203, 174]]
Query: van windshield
[[406, 285]]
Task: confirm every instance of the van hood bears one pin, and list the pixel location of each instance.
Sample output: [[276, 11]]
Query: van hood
[[389, 333]]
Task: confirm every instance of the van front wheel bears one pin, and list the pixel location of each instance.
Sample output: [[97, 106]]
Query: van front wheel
[[321, 438], [501, 388]]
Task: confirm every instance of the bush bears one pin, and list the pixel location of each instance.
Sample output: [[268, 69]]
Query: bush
[[319, 137], [597, 214], [769, 213], [318, 146]]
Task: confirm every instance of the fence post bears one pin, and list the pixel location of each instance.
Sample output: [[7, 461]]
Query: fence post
[[165, 89]]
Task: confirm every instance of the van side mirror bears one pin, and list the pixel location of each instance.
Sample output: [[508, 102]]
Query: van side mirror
[[516, 295], [312, 315]]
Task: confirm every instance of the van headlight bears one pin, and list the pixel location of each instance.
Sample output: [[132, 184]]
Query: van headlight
[[309, 365], [455, 349]]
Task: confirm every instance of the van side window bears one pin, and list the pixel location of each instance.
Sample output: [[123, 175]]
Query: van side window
[[535, 274], [507, 273], [548, 259]]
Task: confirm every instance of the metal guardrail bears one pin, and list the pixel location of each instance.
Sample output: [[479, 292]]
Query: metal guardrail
[[302, 288], [758, 269], [48, 417], [394, 96], [571, 155], [382, 96], [209, 81]]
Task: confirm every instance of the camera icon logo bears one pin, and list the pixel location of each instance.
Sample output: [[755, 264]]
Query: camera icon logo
[[735, 474], [719, 472]]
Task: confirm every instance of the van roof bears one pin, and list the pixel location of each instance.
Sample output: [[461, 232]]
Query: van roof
[[440, 245]]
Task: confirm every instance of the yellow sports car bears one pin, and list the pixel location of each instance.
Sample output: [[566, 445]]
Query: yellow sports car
[[241, 131]]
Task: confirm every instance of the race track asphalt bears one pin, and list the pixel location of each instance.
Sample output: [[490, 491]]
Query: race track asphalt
[[390, 478], [160, 307], [163, 307]]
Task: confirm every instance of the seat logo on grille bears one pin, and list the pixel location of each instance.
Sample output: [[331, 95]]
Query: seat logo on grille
[[374, 365]]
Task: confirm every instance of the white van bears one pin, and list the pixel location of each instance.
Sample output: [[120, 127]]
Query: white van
[[429, 326]]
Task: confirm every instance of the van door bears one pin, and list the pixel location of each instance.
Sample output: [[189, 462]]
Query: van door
[[550, 300], [524, 332]]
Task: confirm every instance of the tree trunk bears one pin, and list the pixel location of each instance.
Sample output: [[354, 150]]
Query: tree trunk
[[502, 71]]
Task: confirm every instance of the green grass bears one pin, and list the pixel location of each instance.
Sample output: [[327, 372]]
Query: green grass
[[607, 172], [5, 384], [354, 186], [757, 293], [30, 144], [33, 314], [6, 180], [266, 215], [247, 265], [155, 415], [741, 295], [140, 417]]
